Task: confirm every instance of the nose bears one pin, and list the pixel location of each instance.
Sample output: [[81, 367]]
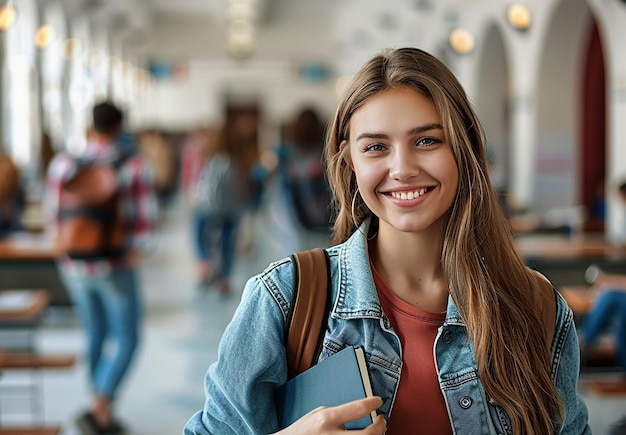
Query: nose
[[402, 165]]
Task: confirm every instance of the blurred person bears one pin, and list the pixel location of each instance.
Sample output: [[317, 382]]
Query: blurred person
[[302, 172], [241, 134], [106, 290], [460, 336], [162, 157], [190, 161], [194, 152], [12, 197], [197, 148], [219, 199]]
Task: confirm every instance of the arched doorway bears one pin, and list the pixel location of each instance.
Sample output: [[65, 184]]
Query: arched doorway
[[561, 110], [593, 131]]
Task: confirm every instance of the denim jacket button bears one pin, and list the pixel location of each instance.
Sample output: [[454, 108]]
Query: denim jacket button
[[446, 337], [465, 402]]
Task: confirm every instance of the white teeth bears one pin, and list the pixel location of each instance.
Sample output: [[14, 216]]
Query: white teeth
[[409, 195]]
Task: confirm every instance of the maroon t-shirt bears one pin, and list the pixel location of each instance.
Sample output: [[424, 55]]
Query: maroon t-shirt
[[419, 402]]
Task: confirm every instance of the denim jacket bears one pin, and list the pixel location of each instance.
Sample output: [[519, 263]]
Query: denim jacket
[[251, 358]]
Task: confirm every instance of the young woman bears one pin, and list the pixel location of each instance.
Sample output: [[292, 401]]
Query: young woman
[[218, 193], [460, 336]]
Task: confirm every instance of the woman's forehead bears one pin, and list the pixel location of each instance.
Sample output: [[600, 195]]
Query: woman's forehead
[[394, 109]]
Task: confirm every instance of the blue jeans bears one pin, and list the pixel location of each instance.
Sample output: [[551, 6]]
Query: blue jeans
[[214, 231], [609, 310], [109, 307], [199, 222]]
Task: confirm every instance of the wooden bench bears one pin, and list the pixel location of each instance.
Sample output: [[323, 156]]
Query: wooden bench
[[22, 306], [562, 248], [29, 361]]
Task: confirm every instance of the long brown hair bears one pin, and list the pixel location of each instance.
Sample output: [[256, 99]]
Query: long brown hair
[[492, 288]]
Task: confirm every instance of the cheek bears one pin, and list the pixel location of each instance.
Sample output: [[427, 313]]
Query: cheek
[[448, 171], [367, 181], [367, 178]]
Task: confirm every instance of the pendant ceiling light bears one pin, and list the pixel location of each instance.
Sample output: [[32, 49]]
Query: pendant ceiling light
[[8, 16], [519, 17], [462, 41]]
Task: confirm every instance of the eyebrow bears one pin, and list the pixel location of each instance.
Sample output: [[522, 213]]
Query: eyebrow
[[411, 132]]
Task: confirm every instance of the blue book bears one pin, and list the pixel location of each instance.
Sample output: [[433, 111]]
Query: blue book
[[337, 380]]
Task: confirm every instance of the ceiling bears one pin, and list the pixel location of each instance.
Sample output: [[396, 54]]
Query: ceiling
[[142, 11], [185, 7], [138, 19]]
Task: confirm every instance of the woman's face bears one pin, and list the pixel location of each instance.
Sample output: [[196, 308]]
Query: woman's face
[[404, 166]]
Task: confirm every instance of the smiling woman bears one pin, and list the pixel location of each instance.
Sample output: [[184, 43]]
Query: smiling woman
[[459, 335]]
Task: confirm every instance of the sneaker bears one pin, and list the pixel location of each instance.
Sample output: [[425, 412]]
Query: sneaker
[[619, 427], [116, 428], [87, 424]]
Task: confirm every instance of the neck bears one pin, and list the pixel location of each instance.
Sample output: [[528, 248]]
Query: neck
[[410, 264]]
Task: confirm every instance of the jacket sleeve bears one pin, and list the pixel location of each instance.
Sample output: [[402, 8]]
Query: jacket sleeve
[[566, 367], [251, 363]]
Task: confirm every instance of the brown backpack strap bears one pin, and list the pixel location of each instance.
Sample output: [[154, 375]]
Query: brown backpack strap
[[309, 309]]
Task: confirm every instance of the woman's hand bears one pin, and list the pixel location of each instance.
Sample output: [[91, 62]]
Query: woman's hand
[[331, 420]]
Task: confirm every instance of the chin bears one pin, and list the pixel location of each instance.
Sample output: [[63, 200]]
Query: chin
[[414, 225], [412, 221]]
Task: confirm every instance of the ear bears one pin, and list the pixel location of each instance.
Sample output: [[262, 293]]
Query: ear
[[347, 155]]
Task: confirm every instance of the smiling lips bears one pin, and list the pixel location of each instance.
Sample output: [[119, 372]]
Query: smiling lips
[[410, 194]]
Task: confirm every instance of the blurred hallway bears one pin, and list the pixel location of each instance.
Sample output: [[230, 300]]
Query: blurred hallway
[[547, 93]]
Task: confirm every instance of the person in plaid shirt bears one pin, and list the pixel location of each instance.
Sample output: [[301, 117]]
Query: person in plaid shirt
[[106, 291]]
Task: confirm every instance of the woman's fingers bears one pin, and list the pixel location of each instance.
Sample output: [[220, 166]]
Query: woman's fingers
[[331, 420], [354, 410], [378, 427]]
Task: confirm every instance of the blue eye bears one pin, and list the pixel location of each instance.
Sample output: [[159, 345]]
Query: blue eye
[[374, 147], [428, 141]]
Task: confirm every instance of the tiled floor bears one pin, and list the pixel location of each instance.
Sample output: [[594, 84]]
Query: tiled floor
[[182, 330]]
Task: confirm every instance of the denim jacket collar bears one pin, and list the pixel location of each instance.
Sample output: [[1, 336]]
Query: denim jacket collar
[[356, 296]]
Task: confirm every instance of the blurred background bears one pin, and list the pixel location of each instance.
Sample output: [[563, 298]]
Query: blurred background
[[547, 78]]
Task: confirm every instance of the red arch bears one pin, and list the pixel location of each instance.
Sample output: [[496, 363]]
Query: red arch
[[593, 154]]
